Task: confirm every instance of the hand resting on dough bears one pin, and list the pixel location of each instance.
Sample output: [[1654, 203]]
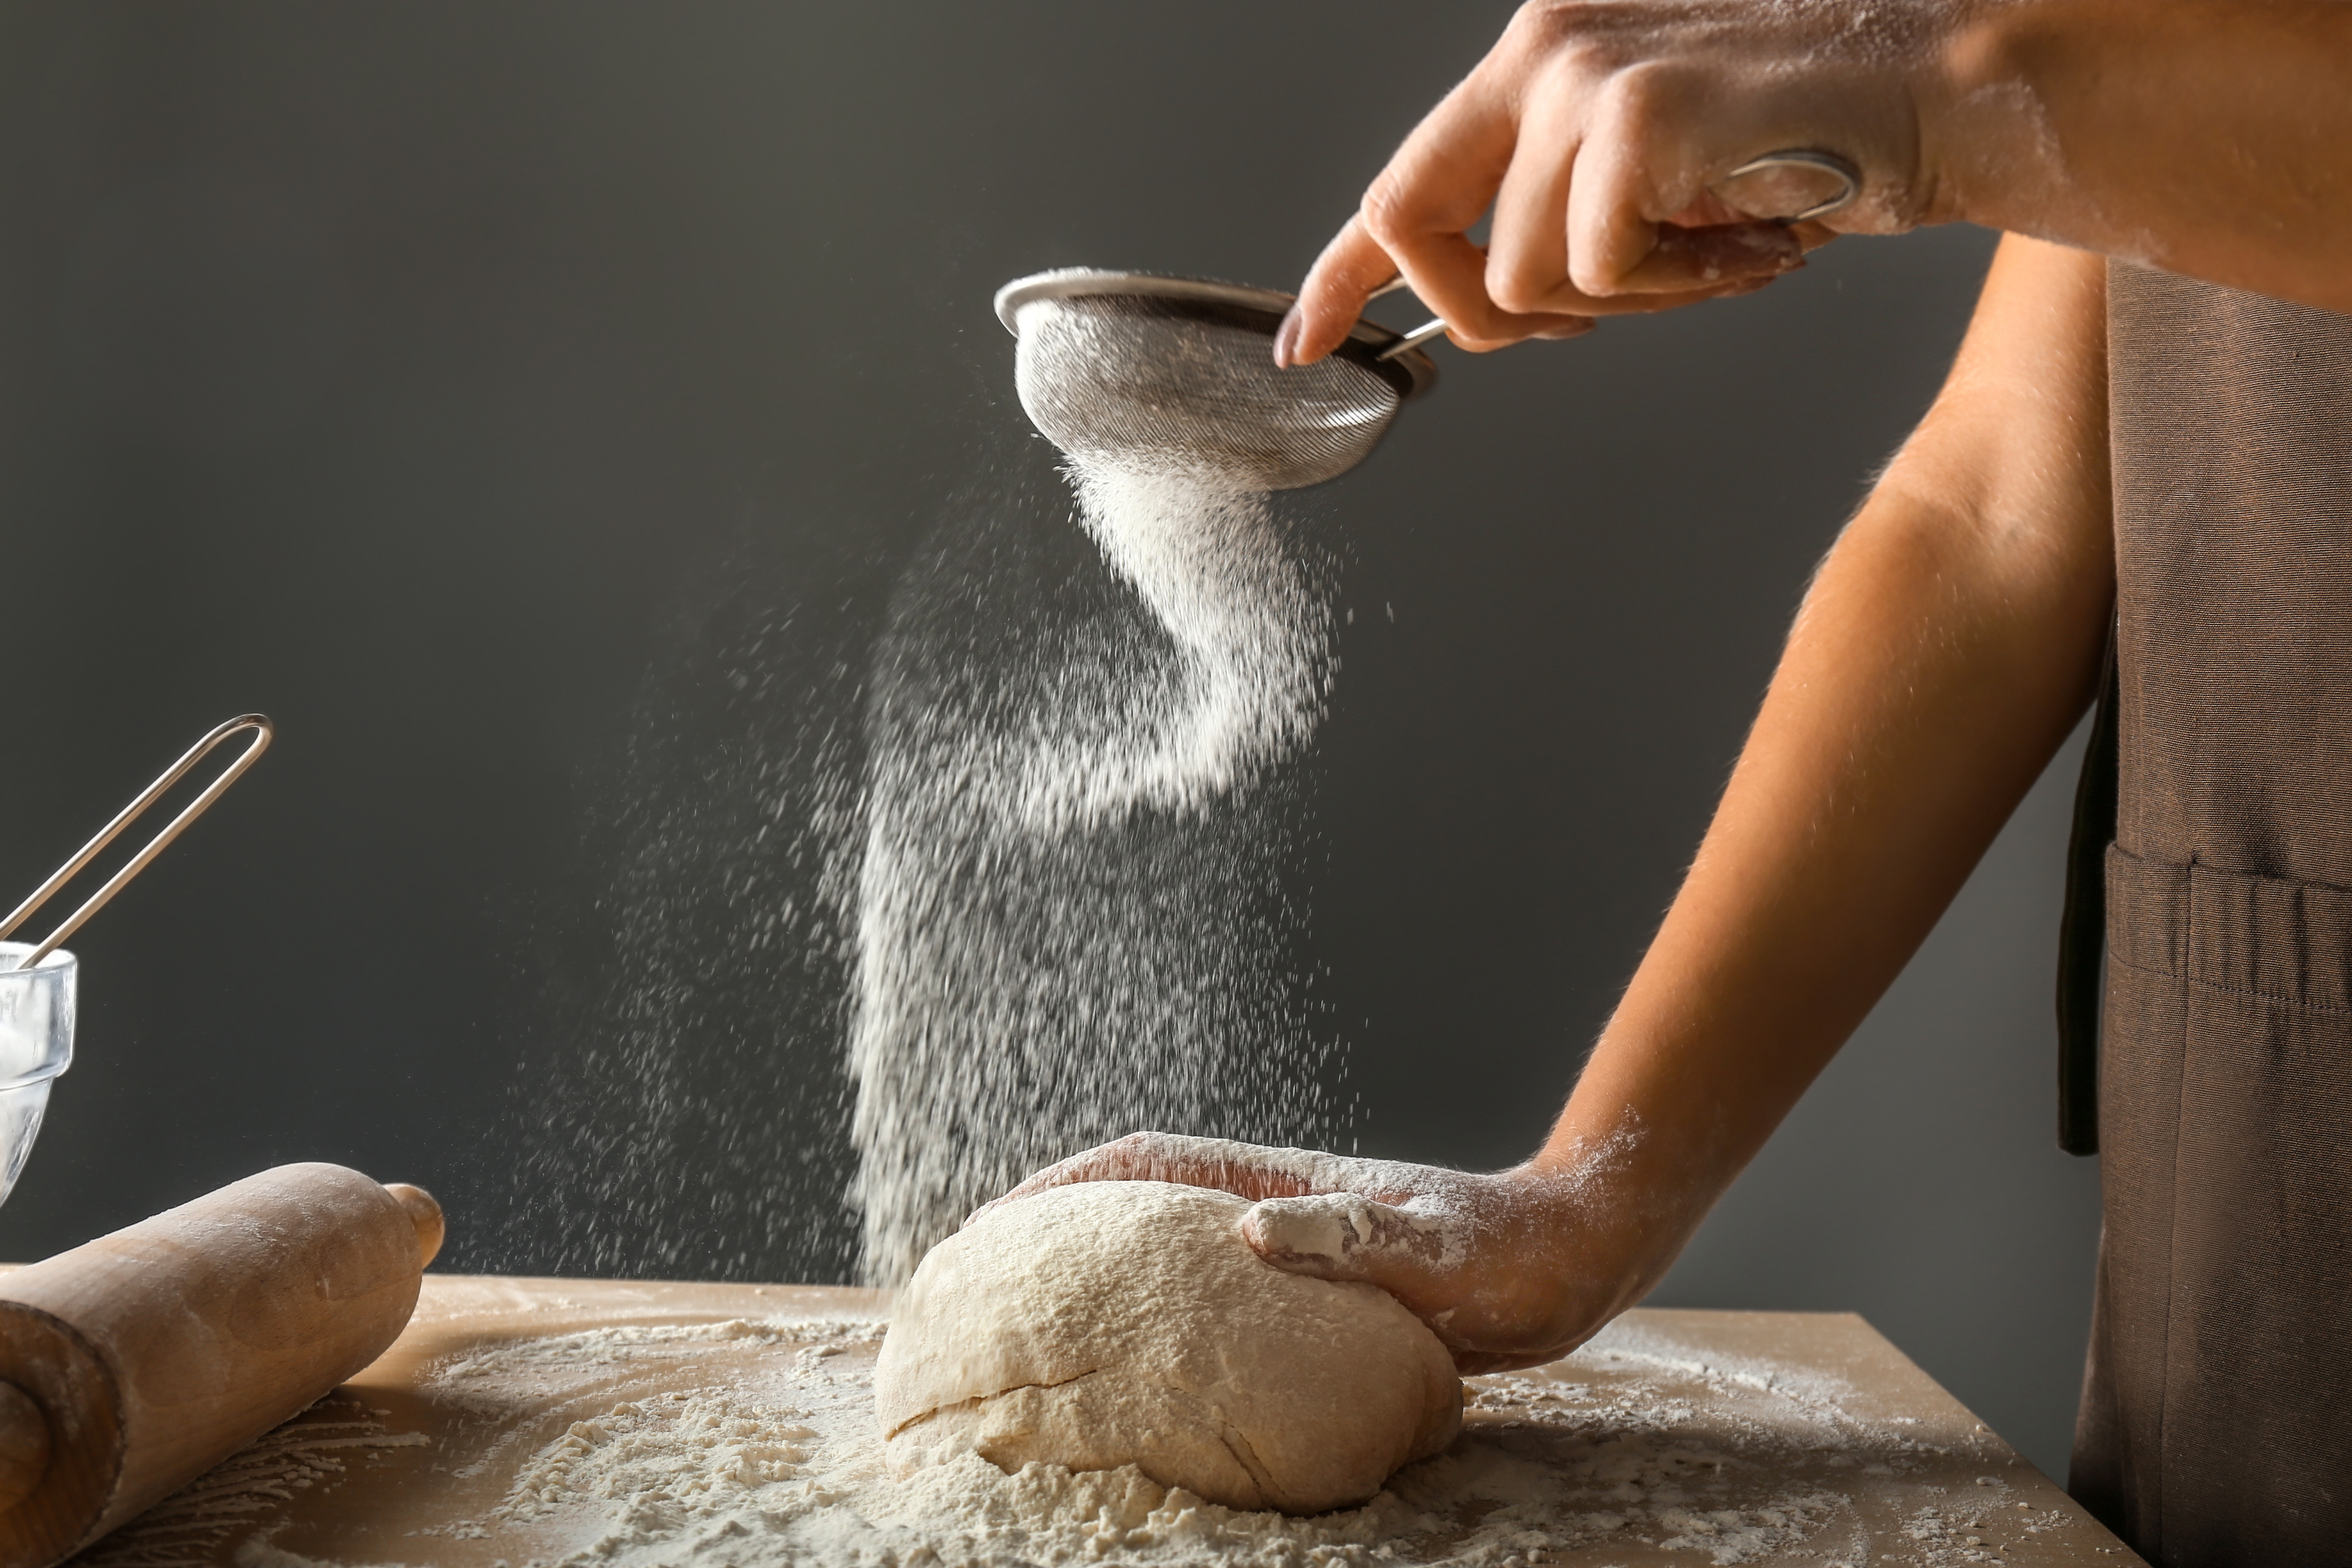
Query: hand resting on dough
[[1508, 1269]]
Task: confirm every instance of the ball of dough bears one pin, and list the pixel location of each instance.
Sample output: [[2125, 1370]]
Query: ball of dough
[[1111, 1323]]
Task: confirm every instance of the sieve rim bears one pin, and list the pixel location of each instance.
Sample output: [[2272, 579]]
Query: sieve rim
[[1365, 343]]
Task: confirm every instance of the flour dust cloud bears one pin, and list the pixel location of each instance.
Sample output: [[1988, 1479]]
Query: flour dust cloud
[[680, 1113], [1069, 918]]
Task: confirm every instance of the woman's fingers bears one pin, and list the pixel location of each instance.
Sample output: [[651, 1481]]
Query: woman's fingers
[[1344, 278], [1161, 1156], [1635, 174], [1246, 1170], [1454, 1255], [1347, 1235], [1616, 199], [1527, 251], [1420, 209], [1593, 132], [1683, 260], [1414, 222], [1697, 249], [1533, 280], [1352, 268]]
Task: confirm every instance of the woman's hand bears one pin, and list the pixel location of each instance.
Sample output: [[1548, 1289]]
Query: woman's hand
[[2212, 138], [1508, 1269], [1603, 132]]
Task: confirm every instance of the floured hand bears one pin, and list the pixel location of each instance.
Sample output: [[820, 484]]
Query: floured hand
[[1607, 137], [1603, 135], [1509, 1270]]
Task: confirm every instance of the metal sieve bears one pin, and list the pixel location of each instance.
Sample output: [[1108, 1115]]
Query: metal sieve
[[1142, 370]]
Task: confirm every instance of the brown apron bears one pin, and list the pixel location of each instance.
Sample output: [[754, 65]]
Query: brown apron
[[2217, 1411]]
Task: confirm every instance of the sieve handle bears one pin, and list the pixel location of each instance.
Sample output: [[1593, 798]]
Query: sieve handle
[[65, 874], [1414, 339], [1848, 176]]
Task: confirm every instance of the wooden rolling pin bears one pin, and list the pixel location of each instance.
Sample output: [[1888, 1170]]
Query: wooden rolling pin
[[133, 1364]]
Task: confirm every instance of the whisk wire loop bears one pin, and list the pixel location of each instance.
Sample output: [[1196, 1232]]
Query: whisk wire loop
[[262, 731]]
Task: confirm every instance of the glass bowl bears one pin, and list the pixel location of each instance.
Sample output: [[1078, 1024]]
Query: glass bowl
[[37, 1030]]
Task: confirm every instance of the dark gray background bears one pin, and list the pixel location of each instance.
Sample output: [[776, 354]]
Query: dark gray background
[[531, 405]]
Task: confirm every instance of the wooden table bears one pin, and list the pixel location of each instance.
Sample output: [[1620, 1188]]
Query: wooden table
[[1810, 1419]]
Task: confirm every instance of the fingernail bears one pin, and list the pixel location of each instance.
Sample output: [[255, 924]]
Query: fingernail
[[1285, 338]]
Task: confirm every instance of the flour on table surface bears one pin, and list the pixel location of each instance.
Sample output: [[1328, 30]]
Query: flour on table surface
[[186, 1529], [752, 1444], [627, 1344]]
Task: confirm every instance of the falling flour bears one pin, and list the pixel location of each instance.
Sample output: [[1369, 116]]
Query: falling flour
[[1023, 860], [1070, 917], [1213, 564]]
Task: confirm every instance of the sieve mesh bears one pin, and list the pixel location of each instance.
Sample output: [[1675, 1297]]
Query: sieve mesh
[[1151, 373]]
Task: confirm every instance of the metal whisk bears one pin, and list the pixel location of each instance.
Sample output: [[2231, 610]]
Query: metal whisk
[[257, 723]]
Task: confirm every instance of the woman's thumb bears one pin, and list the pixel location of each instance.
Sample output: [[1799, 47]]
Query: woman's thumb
[[1346, 1236]]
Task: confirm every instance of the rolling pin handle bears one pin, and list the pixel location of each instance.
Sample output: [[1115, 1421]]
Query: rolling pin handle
[[424, 1214], [24, 1446]]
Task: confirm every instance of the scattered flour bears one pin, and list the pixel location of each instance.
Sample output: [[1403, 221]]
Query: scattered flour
[[186, 1528], [628, 1345], [752, 1445], [1069, 920]]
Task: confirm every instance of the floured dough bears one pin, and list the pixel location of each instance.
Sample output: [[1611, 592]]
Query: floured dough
[[1108, 1323]]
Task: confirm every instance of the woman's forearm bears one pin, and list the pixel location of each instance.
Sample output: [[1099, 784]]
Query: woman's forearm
[[2212, 138], [1947, 646]]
